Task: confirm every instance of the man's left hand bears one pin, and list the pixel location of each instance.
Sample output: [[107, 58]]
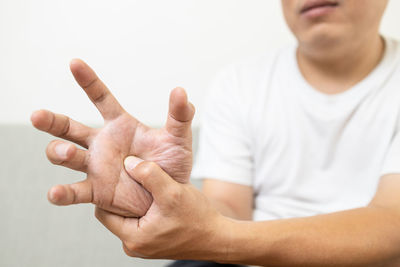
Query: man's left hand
[[180, 224]]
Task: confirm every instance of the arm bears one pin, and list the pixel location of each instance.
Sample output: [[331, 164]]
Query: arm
[[230, 199], [366, 236]]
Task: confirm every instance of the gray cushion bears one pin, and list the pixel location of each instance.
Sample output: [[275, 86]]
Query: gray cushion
[[35, 233]]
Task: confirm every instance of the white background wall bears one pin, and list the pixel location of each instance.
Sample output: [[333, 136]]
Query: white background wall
[[141, 49]]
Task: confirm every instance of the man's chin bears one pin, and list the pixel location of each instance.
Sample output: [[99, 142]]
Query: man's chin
[[322, 36]]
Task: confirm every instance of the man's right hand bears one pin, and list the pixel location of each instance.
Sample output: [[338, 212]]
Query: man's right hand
[[107, 184]]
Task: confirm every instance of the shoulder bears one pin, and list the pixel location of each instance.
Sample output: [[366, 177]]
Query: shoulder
[[389, 68], [393, 52]]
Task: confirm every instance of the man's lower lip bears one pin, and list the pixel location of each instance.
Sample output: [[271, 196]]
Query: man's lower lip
[[318, 11]]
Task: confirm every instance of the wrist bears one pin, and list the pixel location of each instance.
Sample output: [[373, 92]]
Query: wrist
[[241, 242], [220, 243]]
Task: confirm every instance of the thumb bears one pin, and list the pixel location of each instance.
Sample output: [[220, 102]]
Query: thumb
[[150, 176], [180, 114]]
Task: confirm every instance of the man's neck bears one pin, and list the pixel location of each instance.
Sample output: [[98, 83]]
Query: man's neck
[[333, 72]]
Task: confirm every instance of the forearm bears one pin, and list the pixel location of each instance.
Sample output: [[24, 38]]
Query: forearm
[[224, 209], [228, 211], [230, 199], [362, 237]]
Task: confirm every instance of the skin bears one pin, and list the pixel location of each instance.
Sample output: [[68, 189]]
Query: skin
[[367, 236], [220, 195], [337, 50], [103, 150], [175, 209]]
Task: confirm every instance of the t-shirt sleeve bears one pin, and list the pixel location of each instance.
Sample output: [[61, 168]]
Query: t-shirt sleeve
[[224, 146], [392, 161]]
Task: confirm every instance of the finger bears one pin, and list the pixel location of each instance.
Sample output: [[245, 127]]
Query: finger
[[180, 114], [67, 155], [118, 225], [98, 93], [150, 176], [64, 195], [62, 126]]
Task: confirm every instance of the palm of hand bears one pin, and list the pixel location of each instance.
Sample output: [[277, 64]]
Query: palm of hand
[[108, 185], [123, 137]]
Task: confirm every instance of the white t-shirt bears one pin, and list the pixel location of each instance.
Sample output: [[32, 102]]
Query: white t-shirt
[[303, 152]]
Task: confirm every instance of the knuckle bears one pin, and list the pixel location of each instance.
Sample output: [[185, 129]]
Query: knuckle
[[100, 97], [175, 194], [52, 121], [66, 127], [126, 250], [137, 249], [131, 247]]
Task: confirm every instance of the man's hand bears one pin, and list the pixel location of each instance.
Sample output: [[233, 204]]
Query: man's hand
[[107, 184], [180, 224]]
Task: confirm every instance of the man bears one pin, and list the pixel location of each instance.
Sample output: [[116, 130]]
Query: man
[[309, 135]]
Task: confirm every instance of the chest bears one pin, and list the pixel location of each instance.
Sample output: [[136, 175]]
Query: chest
[[297, 145]]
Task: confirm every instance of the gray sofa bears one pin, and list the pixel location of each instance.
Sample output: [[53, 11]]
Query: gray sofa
[[35, 233]]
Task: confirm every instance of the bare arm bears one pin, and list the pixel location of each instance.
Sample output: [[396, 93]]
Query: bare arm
[[231, 200], [368, 236]]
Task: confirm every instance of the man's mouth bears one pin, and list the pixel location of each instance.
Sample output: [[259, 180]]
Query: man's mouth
[[318, 6]]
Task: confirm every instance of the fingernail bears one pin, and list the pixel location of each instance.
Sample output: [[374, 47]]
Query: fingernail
[[131, 162], [52, 195], [61, 150]]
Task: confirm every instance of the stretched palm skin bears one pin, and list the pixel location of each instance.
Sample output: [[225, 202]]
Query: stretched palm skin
[[107, 184]]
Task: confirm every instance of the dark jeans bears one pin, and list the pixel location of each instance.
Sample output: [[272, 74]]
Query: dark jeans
[[187, 263]]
